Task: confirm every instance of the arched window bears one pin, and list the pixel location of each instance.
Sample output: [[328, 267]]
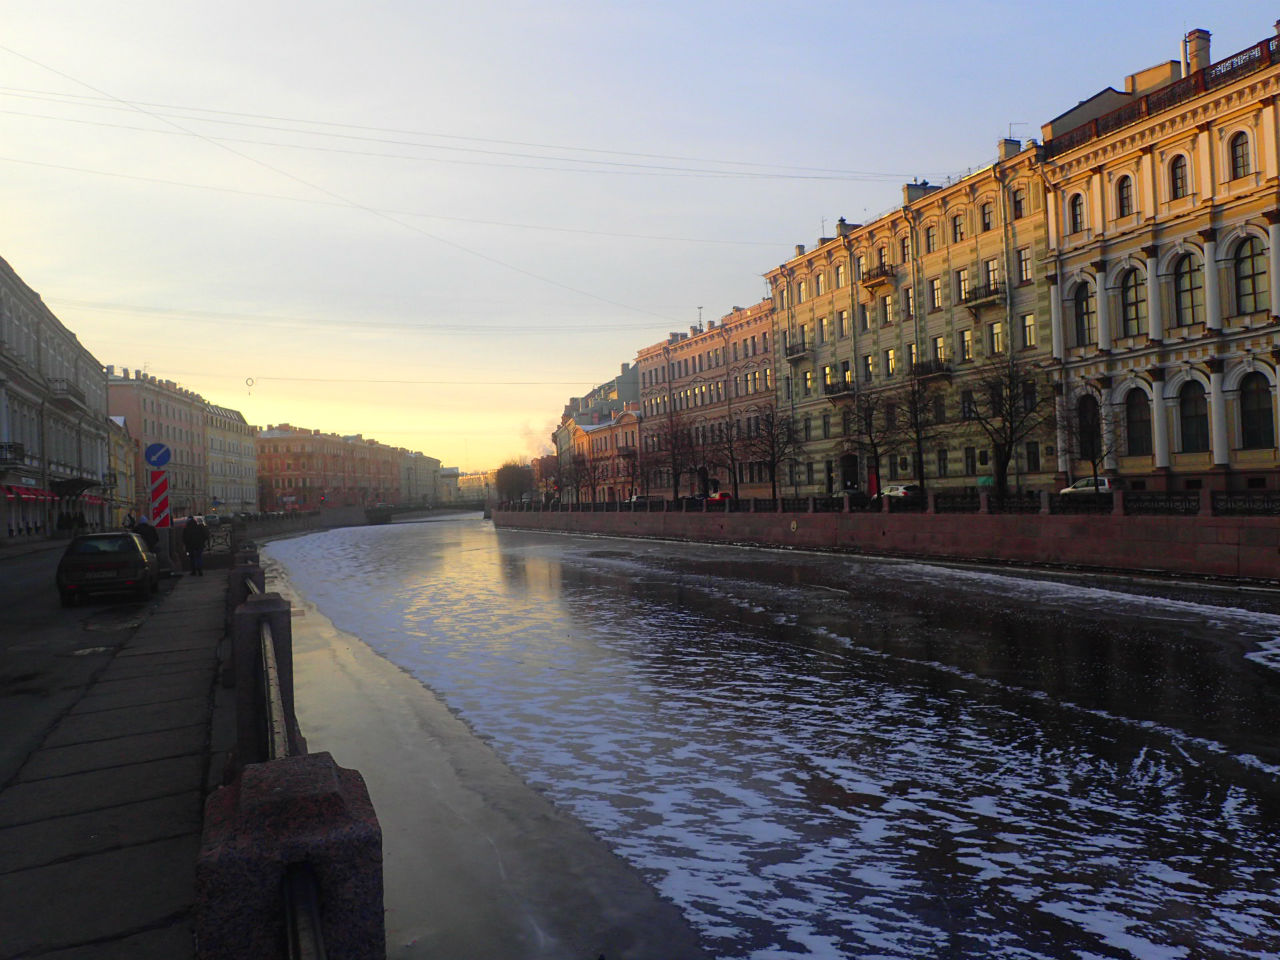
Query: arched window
[[1251, 277], [1089, 424], [1086, 318], [1133, 303], [1124, 197], [930, 238], [1188, 291], [1178, 182], [1257, 413], [1137, 423], [957, 228], [1239, 156], [1075, 214], [1193, 416]]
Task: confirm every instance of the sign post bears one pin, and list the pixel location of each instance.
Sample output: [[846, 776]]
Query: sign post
[[157, 456]]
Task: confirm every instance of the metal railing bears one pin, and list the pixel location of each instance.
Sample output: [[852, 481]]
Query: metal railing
[[300, 890], [1143, 503], [1265, 503]]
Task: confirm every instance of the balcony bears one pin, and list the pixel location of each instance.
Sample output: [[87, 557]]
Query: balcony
[[796, 352], [924, 369], [626, 453], [983, 293], [878, 275], [66, 395], [840, 389], [12, 454]]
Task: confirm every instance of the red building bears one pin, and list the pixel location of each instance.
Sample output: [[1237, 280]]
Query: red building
[[302, 469]]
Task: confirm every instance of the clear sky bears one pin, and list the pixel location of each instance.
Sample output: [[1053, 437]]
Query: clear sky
[[433, 223]]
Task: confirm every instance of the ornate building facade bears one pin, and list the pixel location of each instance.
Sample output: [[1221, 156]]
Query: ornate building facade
[[1164, 270]]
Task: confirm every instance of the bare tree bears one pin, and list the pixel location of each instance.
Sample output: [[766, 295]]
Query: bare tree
[[513, 480], [874, 429], [917, 423], [1085, 433], [770, 439], [673, 451], [1010, 402]]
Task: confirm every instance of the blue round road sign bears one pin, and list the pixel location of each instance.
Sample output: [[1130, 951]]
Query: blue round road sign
[[157, 454]]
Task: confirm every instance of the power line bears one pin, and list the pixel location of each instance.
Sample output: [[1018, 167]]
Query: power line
[[402, 213], [113, 103]]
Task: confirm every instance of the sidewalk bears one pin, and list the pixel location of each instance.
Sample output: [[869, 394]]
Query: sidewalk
[[100, 829]]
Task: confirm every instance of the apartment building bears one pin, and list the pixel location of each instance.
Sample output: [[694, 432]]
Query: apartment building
[[53, 410], [707, 403], [1164, 272], [162, 411], [303, 469], [232, 461], [907, 340]]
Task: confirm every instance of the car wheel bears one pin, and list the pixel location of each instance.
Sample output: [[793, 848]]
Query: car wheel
[[67, 598]]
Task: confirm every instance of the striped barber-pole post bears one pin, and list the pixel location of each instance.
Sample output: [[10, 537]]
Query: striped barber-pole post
[[160, 499]]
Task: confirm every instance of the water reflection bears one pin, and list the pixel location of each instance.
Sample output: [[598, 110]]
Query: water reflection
[[832, 757]]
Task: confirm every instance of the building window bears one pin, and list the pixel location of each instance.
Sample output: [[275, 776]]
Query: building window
[[808, 428], [1019, 204], [890, 362], [908, 303], [826, 426], [846, 375], [886, 309], [819, 284], [1251, 277], [842, 323], [868, 367], [1133, 303], [808, 382], [840, 278], [822, 330], [968, 406], [957, 228], [1193, 417], [1239, 156], [1033, 456], [995, 337], [1124, 197], [935, 293], [970, 461], [881, 256], [862, 317], [1075, 214], [1188, 291], [802, 291], [939, 408], [939, 349], [991, 273], [984, 217], [1257, 419], [966, 344], [962, 284], [1178, 177], [1137, 423], [1024, 265], [808, 474], [904, 249], [930, 238], [1086, 319], [941, 459], [1028, 324], [860, 267]]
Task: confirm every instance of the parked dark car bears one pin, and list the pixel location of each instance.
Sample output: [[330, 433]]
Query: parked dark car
[[107, 563]]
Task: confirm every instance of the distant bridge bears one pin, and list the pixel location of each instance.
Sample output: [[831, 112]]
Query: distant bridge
[[384, 512]]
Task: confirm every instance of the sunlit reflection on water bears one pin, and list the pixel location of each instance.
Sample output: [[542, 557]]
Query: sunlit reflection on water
[[835, 758]]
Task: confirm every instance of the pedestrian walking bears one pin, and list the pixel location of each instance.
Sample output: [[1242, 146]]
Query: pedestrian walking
[[150, 536], [194, 537]]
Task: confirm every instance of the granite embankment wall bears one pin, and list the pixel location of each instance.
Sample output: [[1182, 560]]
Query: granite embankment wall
[[1231, 547]]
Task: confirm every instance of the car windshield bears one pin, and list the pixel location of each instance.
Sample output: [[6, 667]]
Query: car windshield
[[91, 545]]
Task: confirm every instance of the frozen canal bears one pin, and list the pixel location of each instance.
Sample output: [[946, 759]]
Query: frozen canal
[[823, 756]]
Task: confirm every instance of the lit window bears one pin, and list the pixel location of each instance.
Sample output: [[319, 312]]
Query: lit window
[[1178, 177], [1075, 214], [1124, 197], [962, 284], [819, 284], [939, 349], [1239, 156], [1028, 330], [890, 362], [839, 275], [995, 337], [1024, 264], [966, 344], [930, 238], [802, 292], [935, 293]]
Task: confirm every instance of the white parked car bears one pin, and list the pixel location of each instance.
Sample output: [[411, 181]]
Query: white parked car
[[1091, 485]]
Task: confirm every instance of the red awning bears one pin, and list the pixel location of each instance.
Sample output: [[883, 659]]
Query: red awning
[[8, 493], [27, 494]]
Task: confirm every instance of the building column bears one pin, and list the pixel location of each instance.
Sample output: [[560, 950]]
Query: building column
[[1273, 256], [1104, 317], [1155, 309], [1212, 296], [1218, 441], [1055, 316], [1159, 420]]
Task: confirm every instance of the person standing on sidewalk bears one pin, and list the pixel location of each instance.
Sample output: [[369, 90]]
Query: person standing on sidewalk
[[194, 537]]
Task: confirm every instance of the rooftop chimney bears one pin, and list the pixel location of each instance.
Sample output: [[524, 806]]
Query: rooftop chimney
[[799, 249], [1009, 148], [842, 228], [1198, 49]]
